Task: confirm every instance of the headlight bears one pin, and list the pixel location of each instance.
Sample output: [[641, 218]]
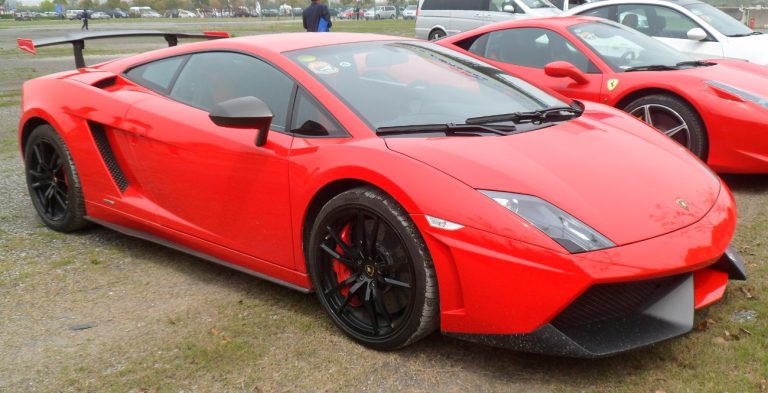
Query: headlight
[[741, 93], [574, 235]]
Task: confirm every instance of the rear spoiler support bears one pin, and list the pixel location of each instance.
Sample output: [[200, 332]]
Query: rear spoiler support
[[78, 40]]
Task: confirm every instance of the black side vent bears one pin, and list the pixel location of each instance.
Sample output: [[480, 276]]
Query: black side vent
[[106, 82], [608, 301], [100, 137]]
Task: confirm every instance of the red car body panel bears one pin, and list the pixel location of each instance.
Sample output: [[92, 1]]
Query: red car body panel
[[735, 127], [219, 196]]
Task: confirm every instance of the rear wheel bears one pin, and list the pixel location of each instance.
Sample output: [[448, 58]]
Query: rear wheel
[[673, 117], [53, 182], [436, 34], [372, 271]]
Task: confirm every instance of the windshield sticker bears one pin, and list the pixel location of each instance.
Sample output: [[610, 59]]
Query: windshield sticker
[[587, 35], [345, 64], [306, 58], [322, 68], [612, 83]]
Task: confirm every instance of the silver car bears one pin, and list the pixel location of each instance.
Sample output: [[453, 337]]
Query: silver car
[[438, 18]]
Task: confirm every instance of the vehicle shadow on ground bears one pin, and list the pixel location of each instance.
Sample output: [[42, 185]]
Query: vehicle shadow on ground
[[747, 183]]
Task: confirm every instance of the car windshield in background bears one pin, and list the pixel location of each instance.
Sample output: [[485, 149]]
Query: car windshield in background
[[391, 84], [625, 49], [721, 21]]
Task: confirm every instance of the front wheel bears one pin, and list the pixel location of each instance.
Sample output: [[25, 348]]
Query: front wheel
[[673, 117], [436, 34], [372, 271], [53, 182]]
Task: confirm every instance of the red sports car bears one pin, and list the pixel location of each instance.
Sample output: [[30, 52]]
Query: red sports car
[[716, 108], [409, 186]]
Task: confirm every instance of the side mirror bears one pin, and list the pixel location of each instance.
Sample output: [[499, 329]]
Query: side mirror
[[510, 8], [697, 34], [244, 112], [564, 69]]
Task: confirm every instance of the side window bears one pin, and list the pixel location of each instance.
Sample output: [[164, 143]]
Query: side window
[[213, 77], [309, 119], [156, 75], [533, 47], [608, 12], [669, 23]]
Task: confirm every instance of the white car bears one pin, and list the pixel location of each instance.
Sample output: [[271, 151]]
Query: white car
[[689, 26], [100, 15], [409, 12]]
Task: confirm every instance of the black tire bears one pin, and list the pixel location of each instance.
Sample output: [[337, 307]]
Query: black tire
[[52, 181], [673, 117], [372, 271], [436, 34]]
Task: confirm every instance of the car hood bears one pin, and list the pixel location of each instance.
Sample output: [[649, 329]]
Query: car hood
[[747, 48], [607, 169], [737, 73]]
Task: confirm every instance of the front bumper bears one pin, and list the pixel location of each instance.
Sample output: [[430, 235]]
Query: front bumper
[[506, 293], [613, 318]]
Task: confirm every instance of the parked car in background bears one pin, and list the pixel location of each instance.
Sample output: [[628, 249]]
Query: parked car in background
[[100, 15], [381, 12], [690, 26], [187, 14], [438, 18], [73, 14], [24, 15], [410, 12], [716, 108], [269, 12]]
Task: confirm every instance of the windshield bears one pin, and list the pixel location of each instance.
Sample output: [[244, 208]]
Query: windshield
[[721, 21], [392, 84], [538, 4], [623, 48]]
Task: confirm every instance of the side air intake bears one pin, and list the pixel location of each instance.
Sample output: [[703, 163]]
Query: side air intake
[[100, 137]]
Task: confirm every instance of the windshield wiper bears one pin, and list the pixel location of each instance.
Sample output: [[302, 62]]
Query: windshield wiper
[[447, 128], [652, 67], [695, 63], [745, 34], [550, 115]]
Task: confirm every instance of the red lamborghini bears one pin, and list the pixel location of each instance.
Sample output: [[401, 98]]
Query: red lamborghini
[[716, 108], [409, 186]]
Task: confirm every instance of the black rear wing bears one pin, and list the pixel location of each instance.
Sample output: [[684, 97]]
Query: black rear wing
[[78, 40]]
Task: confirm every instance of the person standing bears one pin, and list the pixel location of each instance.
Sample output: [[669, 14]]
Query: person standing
[[85, 20], [312, 15]]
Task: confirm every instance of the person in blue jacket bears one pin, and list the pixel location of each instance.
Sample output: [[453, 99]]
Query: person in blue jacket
[[312, 16]]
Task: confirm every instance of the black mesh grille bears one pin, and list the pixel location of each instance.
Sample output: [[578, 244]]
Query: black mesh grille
[[100, 137], [609, 301]]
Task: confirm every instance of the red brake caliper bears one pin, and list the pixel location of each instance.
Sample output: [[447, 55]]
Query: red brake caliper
[[342, 271]]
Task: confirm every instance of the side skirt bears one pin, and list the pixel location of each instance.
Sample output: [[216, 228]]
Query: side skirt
[[165, 242]]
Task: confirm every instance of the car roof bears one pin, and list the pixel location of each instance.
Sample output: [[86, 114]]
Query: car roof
[[603, 3], [265, 44], [552, 22]]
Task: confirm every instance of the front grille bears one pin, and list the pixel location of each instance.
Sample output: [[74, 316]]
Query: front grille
[[100, 137], [610, 301]]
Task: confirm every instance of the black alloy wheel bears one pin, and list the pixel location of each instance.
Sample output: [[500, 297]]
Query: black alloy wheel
[[52, 181], [371, 270]]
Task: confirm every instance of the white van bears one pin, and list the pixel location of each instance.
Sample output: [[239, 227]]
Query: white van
[[438, 18], [73, 14]]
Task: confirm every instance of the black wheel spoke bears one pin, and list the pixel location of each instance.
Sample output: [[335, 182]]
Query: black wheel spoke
[[41, 184], [342, 284], [344, 246], [59, 199], [39, 157], [54, 160], [337, 256], [359, 231], [369, 306], [377, 297], [392, 281], [37, 174], [351, 293], [374, 236]]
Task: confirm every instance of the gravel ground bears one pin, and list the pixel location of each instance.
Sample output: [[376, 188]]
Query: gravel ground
[[99, 311]]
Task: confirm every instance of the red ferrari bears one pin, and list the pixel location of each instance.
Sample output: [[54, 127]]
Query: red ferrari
[[409, 186], [716, 108]]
